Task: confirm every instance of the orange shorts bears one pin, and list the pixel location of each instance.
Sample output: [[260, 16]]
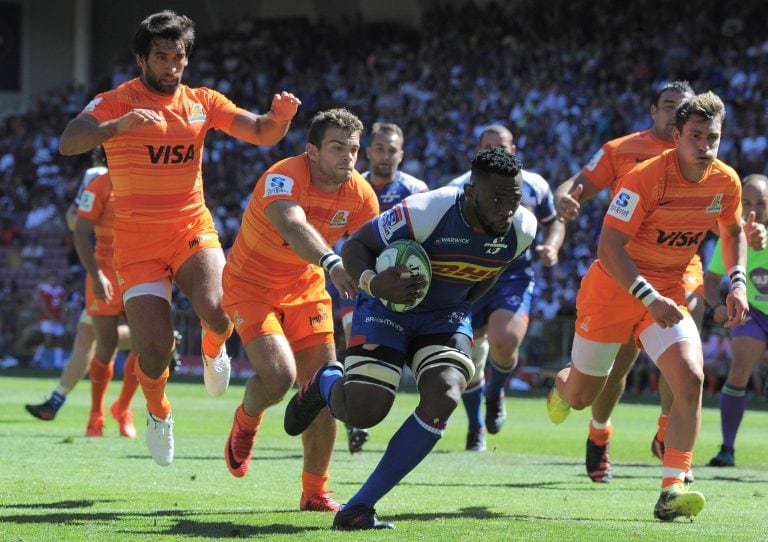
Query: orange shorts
[[153, 252], [101, 307], [301, 312], [693, 279], [607, 313]]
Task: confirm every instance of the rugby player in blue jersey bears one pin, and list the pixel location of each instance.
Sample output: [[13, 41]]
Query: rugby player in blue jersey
[[470, 236]]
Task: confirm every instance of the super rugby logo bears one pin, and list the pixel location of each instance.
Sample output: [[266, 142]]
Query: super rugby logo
[[678, 238], [623, 205], [87, 199], [463, 271], [391, 221], [278, 185]]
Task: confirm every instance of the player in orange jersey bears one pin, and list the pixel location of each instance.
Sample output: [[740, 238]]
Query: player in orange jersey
[[95, 217], [658, 218], [153, 129], [616, 158], [274, 287]]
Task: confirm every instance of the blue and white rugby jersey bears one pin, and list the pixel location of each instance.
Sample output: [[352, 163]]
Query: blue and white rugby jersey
[[460, 255], [537, 198], [400, 188]]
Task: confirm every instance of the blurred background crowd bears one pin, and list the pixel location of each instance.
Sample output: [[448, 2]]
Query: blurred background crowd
[[564, 79]]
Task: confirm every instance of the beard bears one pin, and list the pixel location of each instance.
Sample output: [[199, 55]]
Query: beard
[[155, 84]]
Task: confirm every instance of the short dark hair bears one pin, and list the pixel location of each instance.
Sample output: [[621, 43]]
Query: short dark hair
[[165, 24], [683, 87], [496, 161], [707, 105], [337, 118]]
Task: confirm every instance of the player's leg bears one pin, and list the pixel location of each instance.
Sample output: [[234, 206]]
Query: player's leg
[[73, 372], [442, 366], [677, 352], [474, 394], [121, 408], [101, 370], [748, 344], [148, 309], [200, 279], [598, 459]]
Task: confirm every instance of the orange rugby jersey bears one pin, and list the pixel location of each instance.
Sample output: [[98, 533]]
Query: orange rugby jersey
[[155, 170], [261, 255], [97, 205], [668, 217], [616, 157]]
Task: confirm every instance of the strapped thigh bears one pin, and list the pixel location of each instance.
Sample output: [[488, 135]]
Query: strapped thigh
[[381, 367]]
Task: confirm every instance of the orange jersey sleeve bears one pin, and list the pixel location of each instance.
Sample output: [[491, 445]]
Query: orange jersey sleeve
[[668, 217], [155, 170], [618, 156], [97, 205], [261, 255]]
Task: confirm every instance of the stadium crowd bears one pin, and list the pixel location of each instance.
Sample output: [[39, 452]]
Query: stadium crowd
[[562, 93]]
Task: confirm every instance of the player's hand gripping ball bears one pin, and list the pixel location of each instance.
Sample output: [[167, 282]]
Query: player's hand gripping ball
[[412, 255]]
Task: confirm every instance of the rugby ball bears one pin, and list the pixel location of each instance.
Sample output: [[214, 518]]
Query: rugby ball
[[410, 254]]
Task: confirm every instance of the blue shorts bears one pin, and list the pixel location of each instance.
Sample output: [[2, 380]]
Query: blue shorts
[[511, 292], [373, 323], [755, 326]]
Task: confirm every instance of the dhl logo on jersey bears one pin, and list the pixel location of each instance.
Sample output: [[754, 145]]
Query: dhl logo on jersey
[[464, 271]]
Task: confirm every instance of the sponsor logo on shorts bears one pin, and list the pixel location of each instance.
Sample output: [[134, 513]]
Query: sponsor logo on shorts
[[390, 221], [716, 206], [340, 219], [278, 185], [92, 105], [87, 199], [320, 317], [197, 114], [623, 205], [199, 239], [384, 322]]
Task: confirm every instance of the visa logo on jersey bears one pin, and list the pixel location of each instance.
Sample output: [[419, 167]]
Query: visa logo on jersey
[[171, 154], [463, 271], [678, 238]]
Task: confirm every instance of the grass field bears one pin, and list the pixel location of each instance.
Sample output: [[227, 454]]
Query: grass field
[[57, 485]]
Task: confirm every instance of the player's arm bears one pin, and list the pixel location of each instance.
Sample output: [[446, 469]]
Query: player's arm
[[71, 217], [81, 237], [712, 296], [266, 129], [571, 194], [619, 265], [734, 246], [554, 234], [84, 133], [359, 254], [291, 221]]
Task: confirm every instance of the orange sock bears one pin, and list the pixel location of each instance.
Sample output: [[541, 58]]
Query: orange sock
[[313, 484], [212, 341], [248, 421], [100, 375], [676, 463], [130, 382], [600, 436], [662, 427], [154, 393]]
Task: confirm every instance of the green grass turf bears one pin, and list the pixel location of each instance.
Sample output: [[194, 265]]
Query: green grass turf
[[57, 485]]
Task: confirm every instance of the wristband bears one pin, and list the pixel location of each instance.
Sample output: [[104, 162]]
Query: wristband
[[738, 277], [643, 291], [365, 281], [329, 260]]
